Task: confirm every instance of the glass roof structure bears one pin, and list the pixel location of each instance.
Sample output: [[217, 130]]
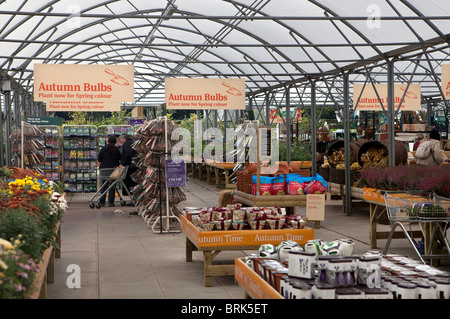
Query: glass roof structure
[[272, 44]]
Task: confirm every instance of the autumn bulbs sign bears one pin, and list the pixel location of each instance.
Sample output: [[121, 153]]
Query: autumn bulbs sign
[[205, 93], [76, 87]]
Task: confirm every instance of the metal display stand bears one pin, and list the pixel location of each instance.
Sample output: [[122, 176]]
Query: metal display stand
[[80, 160], [51, 166], [104, 131], [164, 221]]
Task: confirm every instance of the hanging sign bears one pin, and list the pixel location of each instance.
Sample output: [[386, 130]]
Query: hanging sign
[[296, 116], [76, 87], [205, 94], [175, 173], [45, 120], [445, 78], [368, 100]]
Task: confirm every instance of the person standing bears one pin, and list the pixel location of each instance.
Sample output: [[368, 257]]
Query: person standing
[[429, 152], [109, 158], [128, 152]]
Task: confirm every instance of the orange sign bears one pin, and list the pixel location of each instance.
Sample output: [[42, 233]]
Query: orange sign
[[255, 238], [296, 116], [76, 87], [254, 284], [373, 195], [445, 78], [205, 94], [368, 100]]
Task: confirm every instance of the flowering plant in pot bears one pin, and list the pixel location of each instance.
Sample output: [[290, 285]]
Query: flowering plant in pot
[[29, 213], [17, 271]]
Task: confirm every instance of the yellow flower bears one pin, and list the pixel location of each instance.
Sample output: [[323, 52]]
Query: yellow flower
[[3, 265], [6, 244]]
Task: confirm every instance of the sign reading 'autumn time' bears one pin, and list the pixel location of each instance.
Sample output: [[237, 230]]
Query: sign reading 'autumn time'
[[76, 87], [205, 94]]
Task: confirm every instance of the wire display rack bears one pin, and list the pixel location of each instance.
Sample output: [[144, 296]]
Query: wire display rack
[[412, 207]]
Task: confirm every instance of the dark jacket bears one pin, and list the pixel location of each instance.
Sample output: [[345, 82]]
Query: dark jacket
[[108, 160], [128, 152]]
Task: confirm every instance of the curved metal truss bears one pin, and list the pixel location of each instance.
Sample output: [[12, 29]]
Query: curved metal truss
[[272, 44]]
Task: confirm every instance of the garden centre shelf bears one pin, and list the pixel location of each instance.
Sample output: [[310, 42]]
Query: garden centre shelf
[[80, 158], [104, 131], [51, 166]]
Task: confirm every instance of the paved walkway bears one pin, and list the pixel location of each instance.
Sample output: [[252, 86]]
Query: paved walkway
[[121, 257]]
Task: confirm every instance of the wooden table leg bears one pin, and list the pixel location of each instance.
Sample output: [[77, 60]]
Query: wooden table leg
[[190, 247], [207, 255], [218, 177], [373, 225]]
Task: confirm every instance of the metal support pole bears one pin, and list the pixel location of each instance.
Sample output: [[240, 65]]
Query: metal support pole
[[7, 100], [267, 110], [2, 159], [348, 196], [391, 113], [429, 111], [288, 126], [313, 129]]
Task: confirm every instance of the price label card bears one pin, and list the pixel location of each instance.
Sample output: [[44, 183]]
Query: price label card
[[315, 207]]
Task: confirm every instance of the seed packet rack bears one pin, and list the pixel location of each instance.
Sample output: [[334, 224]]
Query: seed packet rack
[[157, 203], [80, 158], [26, 146], [51, 165]]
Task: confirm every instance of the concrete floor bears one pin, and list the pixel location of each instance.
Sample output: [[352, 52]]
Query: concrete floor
[[120, 257]]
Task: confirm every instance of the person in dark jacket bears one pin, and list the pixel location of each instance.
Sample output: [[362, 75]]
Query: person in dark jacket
[[109, 158], [128, 152]]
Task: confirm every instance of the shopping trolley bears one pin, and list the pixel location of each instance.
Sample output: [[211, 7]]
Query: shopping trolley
[[115, 179], [419, 207]]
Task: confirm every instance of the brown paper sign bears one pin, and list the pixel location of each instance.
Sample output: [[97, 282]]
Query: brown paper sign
[[368, 100], [315, 207], [205, 94], [76, 87]]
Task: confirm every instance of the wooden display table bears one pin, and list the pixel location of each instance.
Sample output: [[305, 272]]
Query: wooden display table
[[288, 201], [377, 210], [220, 172], [254, 286], [213, 242]]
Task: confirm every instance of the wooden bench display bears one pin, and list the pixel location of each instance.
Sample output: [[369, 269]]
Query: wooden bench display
[[211, 243]]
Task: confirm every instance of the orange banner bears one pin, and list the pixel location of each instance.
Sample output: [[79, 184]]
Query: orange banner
[[76, 87], [445, 79], [373, 194], [255, 238], [368, 100], [205, 94], [257, 287]]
